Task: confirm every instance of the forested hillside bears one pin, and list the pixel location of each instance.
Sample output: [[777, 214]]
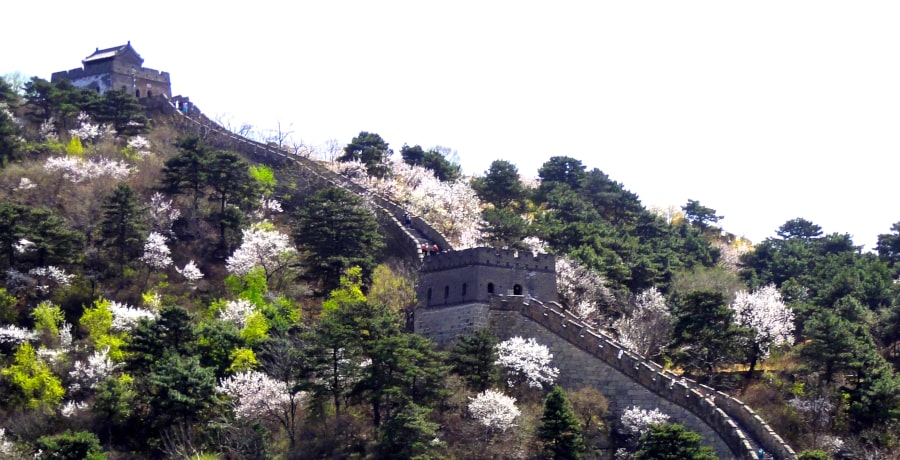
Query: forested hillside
[[164, 298]]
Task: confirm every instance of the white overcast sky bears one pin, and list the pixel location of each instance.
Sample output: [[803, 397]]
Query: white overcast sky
[[764, 111]]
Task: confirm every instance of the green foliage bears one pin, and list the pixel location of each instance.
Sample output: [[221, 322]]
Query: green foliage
[[47, 318], [187, 172], [8, 307], [705, 337], [432, 160], [80, 445], [10, 143], [335, 232], [74, 147], [500, 186], [474, 358], [180, 390], [61, 101], [97, 322], [228, 175], [54, 242], [121, 110], [217, 344], [114, 399], [409, 434], [264, 178], [391, 288], [503, 228], [122, 228], [349, 291], [562, 170], [813, 455], [597, 222], [150, 342], [404, 368], [256, 330], [699, 215], [35, 384], [369, 149], [672, 441], [560, 431], [242, 359]]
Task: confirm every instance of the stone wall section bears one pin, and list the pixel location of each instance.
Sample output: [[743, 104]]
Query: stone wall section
[[443, 325], [475, 274], [388, 212], [588, 357], [584, 356]]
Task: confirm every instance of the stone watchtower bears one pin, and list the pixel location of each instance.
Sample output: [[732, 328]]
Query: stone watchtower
[[120, 68], [455, 288]]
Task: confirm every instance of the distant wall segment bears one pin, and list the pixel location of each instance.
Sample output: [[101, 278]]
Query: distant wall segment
[[584, 356]]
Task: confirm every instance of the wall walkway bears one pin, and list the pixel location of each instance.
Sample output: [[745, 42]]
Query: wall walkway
[[586, 356]]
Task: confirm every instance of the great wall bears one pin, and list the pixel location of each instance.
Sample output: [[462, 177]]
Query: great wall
[[583, 355]]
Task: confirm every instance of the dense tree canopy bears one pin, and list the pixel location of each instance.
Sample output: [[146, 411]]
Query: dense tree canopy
[[336, 232], [369, 149]]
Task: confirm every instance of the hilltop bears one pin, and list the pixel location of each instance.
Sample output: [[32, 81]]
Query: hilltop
[[145, 265]]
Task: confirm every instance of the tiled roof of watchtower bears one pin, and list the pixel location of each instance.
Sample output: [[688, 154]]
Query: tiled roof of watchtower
[[109, 53]]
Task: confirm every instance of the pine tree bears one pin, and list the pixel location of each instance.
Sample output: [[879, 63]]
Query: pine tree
[[122, 229], [336, 232], [560, 431], [672, 441], [474, 358]]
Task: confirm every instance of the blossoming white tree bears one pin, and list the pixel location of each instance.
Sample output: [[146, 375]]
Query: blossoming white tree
[[636, 421], [87, 130], [71, 407], [494, 410], [79, 170], [156, 251], [452, 208], [49, 277], [581, 290], [10, 333], [237, 312], [263, 247], [526, 361], [89, 374], [139, 145], [126, 317], [162, 214], [256, 396], [649, 326], [771, 321], [190, 272]]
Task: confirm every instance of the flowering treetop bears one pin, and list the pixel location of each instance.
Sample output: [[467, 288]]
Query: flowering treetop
[[526, 361], [494, 410]]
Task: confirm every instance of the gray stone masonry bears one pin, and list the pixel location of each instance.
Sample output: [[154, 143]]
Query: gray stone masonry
[[584, 356]]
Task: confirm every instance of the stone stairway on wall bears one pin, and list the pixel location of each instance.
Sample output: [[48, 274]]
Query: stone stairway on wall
[[741, 429], [417, 233]]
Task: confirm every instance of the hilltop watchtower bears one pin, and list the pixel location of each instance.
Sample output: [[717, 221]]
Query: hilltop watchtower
[[121, 68], [455, 288]]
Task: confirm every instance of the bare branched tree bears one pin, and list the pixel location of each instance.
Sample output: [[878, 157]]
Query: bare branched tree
[[280, 134]]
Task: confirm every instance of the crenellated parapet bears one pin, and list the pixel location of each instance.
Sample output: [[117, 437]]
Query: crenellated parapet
[[630, 379], [477, 274], [466, 290], [490, 257]]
